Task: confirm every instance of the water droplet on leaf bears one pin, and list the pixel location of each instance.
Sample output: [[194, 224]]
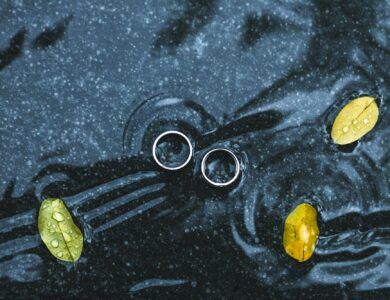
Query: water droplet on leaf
[[58, 216], [67, 237], [54, 243]]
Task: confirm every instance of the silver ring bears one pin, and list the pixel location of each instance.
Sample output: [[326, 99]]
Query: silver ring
[[172, 132], [236, 162]]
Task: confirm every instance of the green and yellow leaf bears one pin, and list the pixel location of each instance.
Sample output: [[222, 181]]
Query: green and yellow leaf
[[58, 231]]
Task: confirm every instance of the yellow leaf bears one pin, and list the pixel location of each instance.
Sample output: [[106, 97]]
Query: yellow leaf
[[355, 120], [301, 232], [58, 231]]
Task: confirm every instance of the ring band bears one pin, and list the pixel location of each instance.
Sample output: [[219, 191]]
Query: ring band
[[236, 162], [172, 132]]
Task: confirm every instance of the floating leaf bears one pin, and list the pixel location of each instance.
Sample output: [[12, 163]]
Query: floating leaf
[[58, 231], [301, 232], [355, 120]]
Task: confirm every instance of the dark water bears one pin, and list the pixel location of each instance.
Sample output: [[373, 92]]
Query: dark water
[[86, 87]]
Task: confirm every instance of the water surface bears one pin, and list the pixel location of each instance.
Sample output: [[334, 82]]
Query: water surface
[[86, 87]]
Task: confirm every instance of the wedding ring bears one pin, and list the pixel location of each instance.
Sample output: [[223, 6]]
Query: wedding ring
[[236, 162], [172, 132]]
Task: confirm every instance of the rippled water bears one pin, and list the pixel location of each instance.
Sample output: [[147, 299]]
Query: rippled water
[[265, 80]]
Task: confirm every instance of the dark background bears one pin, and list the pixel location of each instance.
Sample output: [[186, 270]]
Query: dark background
[[265, 76]]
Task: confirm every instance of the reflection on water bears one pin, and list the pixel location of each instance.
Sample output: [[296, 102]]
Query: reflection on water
[[148, 230], [131, 204]]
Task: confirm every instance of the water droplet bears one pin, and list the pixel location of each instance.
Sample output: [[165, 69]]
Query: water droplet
[[55, 203], [345, 129], [51, 230], [59, 254], [67, 237], [58, 216], [54, 243], [354, 121], [365, 121]]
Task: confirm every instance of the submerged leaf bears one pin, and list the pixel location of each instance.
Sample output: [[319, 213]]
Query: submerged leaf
[[58, 231], [355, 120], [301, 232]]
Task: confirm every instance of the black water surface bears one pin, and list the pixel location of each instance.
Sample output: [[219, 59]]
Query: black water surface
[[81, 107]]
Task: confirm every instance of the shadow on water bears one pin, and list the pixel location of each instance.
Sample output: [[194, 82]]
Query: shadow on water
[[194, 17], [48, 37], [14, 49], [51, 35]]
